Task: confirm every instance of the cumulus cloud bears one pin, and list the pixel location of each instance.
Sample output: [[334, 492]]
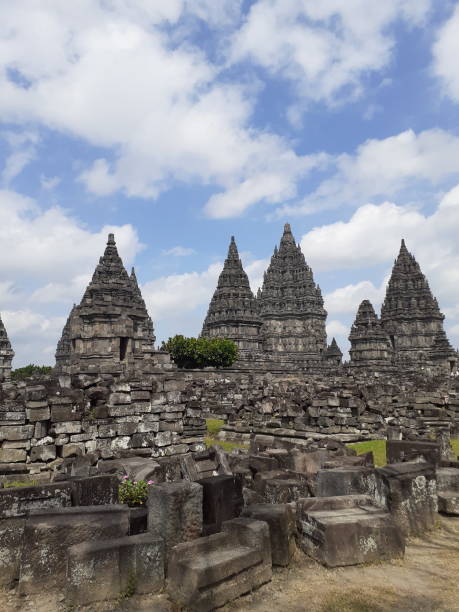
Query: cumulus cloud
[[111, 74], [406, 162], [445, 52], [325, 49]]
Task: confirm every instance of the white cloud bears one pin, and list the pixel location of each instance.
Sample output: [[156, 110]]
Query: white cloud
[[346, 300], [49, 183], [178, 251], [445, 54], [108, 73], [383, 168], [22, 146], [326, 49]]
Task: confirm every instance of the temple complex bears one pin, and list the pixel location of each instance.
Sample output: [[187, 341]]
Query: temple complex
[[111, 325], [410, 315], [6, 353], [233, 310], [370, 345], [291, 304]]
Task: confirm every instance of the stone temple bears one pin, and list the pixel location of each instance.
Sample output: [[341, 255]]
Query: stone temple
[[233, 310], [6, 353], [285, 323], [111, 324]]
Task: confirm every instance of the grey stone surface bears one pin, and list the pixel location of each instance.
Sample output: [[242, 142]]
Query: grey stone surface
[[282, 529], [212, 571], [410, 493], [108, 569], [6, 354], [49, 534], [11, 534], [347, 531], [18, 501], [175, 512]]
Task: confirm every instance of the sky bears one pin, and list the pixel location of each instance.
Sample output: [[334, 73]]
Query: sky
[[178, 124]]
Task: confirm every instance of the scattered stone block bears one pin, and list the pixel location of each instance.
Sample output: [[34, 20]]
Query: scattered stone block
[[95, 491], [282, 529], [175, 512], [222, 501], [106, 569], [45, 453], [11, 533], [49, 534], [352, 480], [409, 491], [347, 530], [399, 451], [18, 501], [212, 571]]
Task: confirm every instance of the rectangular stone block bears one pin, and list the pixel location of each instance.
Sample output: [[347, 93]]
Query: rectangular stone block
[[16, 432], [222, 501], [38, 414], [410, 450], [46, 452], [48, 535], [104, 570], [17, 501], [95, 490], [175, 512], [282, 529], [11, 533], [65, 413], [67, 427], [12, 455], [72, 450]]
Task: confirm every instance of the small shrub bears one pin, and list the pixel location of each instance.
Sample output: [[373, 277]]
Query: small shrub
[[134, 492], [201, 352], [30, 370]]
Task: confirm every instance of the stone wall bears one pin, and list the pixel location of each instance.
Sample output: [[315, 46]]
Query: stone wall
[[47, 420], [43, 422]]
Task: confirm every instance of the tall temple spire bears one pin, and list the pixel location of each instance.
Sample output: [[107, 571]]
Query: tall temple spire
[[333, 355], [111, 324], [369, 343], [291, 305], [233, 310], [6, 353], [410, 315]]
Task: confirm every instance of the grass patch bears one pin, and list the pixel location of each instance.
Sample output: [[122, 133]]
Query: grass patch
[[455, 445], [226, 446], [378, 447], [214, 426], [17, 483]]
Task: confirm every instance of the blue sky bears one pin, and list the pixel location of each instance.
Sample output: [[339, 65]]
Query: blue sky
[[178, 124]]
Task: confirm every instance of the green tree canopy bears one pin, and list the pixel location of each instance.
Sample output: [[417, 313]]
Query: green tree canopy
[[201, 352]]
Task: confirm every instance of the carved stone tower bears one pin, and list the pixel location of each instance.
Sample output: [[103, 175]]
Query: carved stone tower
[[291, 304], [110, 328], [370, 345], [6, 353], [333, 355], [233, 310], [410, 315]]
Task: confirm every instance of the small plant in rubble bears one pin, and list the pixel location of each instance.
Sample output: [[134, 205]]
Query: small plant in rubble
[[134, 492]]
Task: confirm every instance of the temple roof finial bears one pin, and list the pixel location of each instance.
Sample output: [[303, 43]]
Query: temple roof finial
[[111, 239]]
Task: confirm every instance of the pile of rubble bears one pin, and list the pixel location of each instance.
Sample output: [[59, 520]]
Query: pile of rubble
[[214, 523]]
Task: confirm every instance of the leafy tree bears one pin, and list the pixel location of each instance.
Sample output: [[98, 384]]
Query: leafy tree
[[201, 352], [30, 370]]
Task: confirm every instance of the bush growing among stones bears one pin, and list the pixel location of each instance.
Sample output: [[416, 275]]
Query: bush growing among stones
[[201, 352], [30, 370], [134, 492]]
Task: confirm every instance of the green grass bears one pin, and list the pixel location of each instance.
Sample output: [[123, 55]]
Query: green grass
[[379, 449], [18, 483], [377, 446], [214, 426]]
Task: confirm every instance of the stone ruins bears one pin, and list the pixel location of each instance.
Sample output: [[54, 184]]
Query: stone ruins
[[215, 523]]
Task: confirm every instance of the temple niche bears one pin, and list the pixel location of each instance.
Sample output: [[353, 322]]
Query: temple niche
[[110, 328], [233, 310], [6, 354], [410, 315], [291, 305], [370, 345]]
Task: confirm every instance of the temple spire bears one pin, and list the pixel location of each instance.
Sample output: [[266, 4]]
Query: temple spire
[[233, 310], [369, 342], [6, 353]]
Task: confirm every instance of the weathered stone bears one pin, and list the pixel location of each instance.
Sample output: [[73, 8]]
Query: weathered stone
[[17, 501], [282, 529], [6, 354], [175, 512], [11, 534], [222, 501], [12, 455], [43, 453], [211, 571], [347, 530], [48, 536], [17, 432], [103, 570]]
